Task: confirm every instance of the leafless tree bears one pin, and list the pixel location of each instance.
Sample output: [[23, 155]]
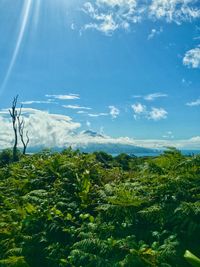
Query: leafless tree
[[14, 114], [21, 124], [18, 124]]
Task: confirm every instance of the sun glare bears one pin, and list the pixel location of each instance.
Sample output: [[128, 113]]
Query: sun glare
[[22, 29], [30, 15]]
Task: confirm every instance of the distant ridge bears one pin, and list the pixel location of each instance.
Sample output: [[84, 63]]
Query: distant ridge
[[115, 149]]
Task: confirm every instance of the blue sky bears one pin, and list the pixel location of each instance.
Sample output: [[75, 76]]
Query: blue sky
[[126, 68]]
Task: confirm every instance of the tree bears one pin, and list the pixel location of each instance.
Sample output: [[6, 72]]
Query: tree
[[18, 124], [21, 124], [13, 113]]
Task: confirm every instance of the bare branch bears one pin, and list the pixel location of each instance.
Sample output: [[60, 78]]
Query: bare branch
[[13, 115], [21, 125], [18, 127]]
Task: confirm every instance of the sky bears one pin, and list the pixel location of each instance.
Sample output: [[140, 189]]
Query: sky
[[128, 69]]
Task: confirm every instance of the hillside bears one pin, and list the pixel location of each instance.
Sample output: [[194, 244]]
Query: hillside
[[73, 209]]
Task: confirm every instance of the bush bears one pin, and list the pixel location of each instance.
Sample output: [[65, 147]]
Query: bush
[[6, 157], [68, 209]]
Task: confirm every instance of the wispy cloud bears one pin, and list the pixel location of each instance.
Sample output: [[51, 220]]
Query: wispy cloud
[[73, 26], [192, 58], [76, 107], [176, 11], [154, 32], [107, 16], [110, 15], [82, 112], [186, 82], [151, 97], [194, 103], [196, 38], [107, 25], [29, 102], [168, 135], [97, 114], [114, 112], [64, 97]]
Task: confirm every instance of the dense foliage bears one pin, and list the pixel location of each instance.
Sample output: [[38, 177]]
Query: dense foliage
[[74, 209]]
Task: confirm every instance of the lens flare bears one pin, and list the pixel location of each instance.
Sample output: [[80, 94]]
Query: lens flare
[[25, 18]]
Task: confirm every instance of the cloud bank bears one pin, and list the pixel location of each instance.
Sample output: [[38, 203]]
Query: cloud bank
[[56, 130]]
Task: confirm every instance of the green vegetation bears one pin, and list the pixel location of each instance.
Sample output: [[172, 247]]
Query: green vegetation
[[191, 258], [75, 209]]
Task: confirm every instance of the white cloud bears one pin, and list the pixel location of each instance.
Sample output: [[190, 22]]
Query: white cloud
[[107, 16], [153, 114], [73, 27], [44, 129], [107, 26], [153, 96], [195, 139], [154, 32], [137, 96], [82, 112], [174, 10], [192, 58], [110, 15], [75, 107], [157, 114], [64, 97], [114, 112], [191, 143], [55, 130], [97, 114], [102, 22], [194, 103], [88, 124], [29, 102], [120, 3], [138, 108]]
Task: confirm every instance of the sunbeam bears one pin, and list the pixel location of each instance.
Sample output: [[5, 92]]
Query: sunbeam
[[36, 12], [25, 18]]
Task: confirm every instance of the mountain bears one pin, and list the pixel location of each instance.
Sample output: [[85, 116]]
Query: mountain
[[115, 148], [90, 141], [92, 133]]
